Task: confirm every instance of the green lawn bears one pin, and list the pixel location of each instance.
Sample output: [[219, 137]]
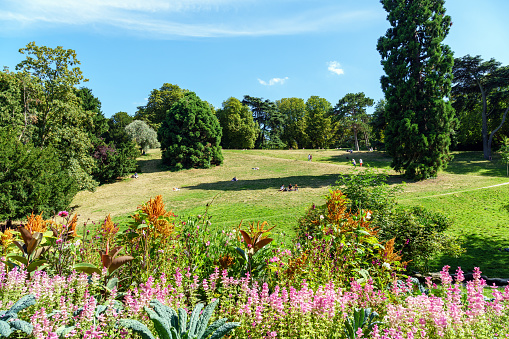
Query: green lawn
[[462, 191]]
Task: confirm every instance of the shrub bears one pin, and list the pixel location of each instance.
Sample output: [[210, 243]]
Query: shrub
[[419, 234], [341, 246]]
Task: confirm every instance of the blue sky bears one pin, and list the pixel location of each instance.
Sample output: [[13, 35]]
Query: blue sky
[[222, 48]]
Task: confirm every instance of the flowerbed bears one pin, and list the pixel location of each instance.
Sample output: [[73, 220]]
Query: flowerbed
[[336, 281]]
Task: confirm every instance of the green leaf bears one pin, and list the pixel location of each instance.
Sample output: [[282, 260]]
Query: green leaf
[[111, 284], [212, 328], [19, 259], [35, 264], [87, 268], [161, 325], [204, 319], [223, 330], [136, 327], [22, 326], [195, 316], [5, 329]]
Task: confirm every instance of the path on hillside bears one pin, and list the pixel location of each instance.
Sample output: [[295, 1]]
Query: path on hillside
[[470, 190]]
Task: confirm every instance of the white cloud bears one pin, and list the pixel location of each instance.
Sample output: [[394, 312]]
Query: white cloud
[[273, 81], [335, 67], [177, 18]]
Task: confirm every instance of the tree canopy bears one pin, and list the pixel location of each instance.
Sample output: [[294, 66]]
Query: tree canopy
[[190, 135], [293, 111], [238, 127], [142, 134], [417, 81], [59, 120], [159, 102], [351, 111], [318, 121], [481, 99]]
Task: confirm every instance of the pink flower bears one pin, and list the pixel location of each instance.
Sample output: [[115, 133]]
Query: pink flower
[[63, 214]]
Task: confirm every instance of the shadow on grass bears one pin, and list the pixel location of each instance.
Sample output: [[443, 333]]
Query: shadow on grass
[[482, 252], [373, 159], [304, 181], [150, 166]]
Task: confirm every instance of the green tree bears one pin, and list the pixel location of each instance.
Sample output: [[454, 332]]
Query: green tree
[[266, 115], [18, 92], [417, 81], [481, 86], [159, 102], [190, 135], [293, 111], [318, 122], [60, 119], [33, 179], [378, 125], [351, 110], [115, 157], [92, 105], [237, 124], [143, 135], [116, 128]]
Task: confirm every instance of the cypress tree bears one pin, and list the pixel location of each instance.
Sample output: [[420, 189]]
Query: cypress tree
[[417, 84]]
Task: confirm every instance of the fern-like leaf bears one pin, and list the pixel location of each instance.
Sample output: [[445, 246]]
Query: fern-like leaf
[[217, 324], [182, 321], [137, 327], [195, 316], [21, 304], [223, 330], [161, 324], [22, 325], [204, 319], [5, 329]]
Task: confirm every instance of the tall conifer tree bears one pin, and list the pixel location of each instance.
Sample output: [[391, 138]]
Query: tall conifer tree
[[418, 68]]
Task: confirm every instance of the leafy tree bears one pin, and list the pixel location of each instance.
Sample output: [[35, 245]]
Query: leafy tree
[[190, 134], [238, 126], [116, 128], [378, 125], [17, 95], [144, 136], [92, 104], [418, 68], [318, 121], [59, 118], [33, 179], [481, 86], [351, 109], [265, 114], [293, 111], [159, 101]]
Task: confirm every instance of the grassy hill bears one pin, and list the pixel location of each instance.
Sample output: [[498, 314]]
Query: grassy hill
[[472, 191]]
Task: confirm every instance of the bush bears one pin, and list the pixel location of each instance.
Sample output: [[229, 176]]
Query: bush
[[419, 234], [32, 179]]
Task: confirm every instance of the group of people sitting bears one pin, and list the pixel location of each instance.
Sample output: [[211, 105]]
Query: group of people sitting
[[290, 188]]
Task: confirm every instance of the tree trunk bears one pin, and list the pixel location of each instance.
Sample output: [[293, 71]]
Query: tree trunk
[[495, 131], [356, 140], [485, 145]]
